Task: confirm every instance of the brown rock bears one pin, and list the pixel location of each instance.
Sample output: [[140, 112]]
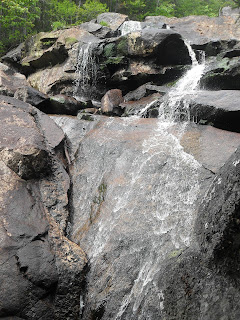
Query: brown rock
[[111, 101]]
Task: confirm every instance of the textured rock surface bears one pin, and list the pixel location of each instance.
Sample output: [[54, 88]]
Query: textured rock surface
[[127, 191], [10, 80], [220, 108], [110, 102], [42, 272], [217, 226], [113, 19], [115, 162], [199, 30]]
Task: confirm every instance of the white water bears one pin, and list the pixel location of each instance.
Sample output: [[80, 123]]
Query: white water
[[130, 26], [175, 106], [172, 197], [163, 200], [86, 71]]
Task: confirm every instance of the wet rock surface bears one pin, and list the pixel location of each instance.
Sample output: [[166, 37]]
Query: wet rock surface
[[119, 262]]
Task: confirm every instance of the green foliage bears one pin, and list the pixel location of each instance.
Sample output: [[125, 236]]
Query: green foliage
[[135, 9], [16, 20], [22, 18], [199, 7], [122, 46], [104, 24], [57, 25], [90, 10], [109, 50]]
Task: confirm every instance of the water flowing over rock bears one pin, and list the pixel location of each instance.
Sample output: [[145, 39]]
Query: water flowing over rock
[[86, 71]]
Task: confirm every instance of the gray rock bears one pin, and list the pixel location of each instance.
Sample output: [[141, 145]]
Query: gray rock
[[61, 104], [121, 163], [32, 96], [220, 108], [10, 80], [98, 30], [201, 30], [217, 225], [42, 272], [114, 20]]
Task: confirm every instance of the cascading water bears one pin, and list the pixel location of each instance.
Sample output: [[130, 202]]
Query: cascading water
[[130, 26], [175, 106], [86, 71], [146, 193]]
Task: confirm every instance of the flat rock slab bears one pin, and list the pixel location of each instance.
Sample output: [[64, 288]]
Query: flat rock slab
[[112, 19], [210, 146], [201, 29], [220, 108]]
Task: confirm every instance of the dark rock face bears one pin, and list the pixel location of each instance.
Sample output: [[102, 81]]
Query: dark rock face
[[61, 104], [207, 279], [220, 108], [218, 232], [42, 272], [224, 75]]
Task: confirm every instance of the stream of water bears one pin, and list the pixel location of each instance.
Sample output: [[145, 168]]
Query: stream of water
[[86, 71], [149, 201]]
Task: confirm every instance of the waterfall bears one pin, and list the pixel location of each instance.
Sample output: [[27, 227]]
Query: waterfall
[[177, 192], [86, 71], [130, 26], [175, 106], [148, 206]]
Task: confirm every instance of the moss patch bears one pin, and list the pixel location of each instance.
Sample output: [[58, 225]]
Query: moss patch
[[70, 41], [104, 24], [109, 50], [122, 46]]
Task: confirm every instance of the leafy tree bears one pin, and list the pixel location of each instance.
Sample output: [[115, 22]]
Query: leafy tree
[[135, 9], [16, 20], [90, 9]]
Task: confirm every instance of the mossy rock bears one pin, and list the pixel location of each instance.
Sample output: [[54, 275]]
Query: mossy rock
[[122, 46], [109, 50], [70, 41]]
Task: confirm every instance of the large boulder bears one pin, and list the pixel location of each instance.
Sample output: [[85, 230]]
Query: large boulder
[[10, 80], [201, 30], [42, 272], [23, 147], [159, 43], [112, 19], [223, 73], [220, 108], [50, 59], [110, 102], [129, 168]]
